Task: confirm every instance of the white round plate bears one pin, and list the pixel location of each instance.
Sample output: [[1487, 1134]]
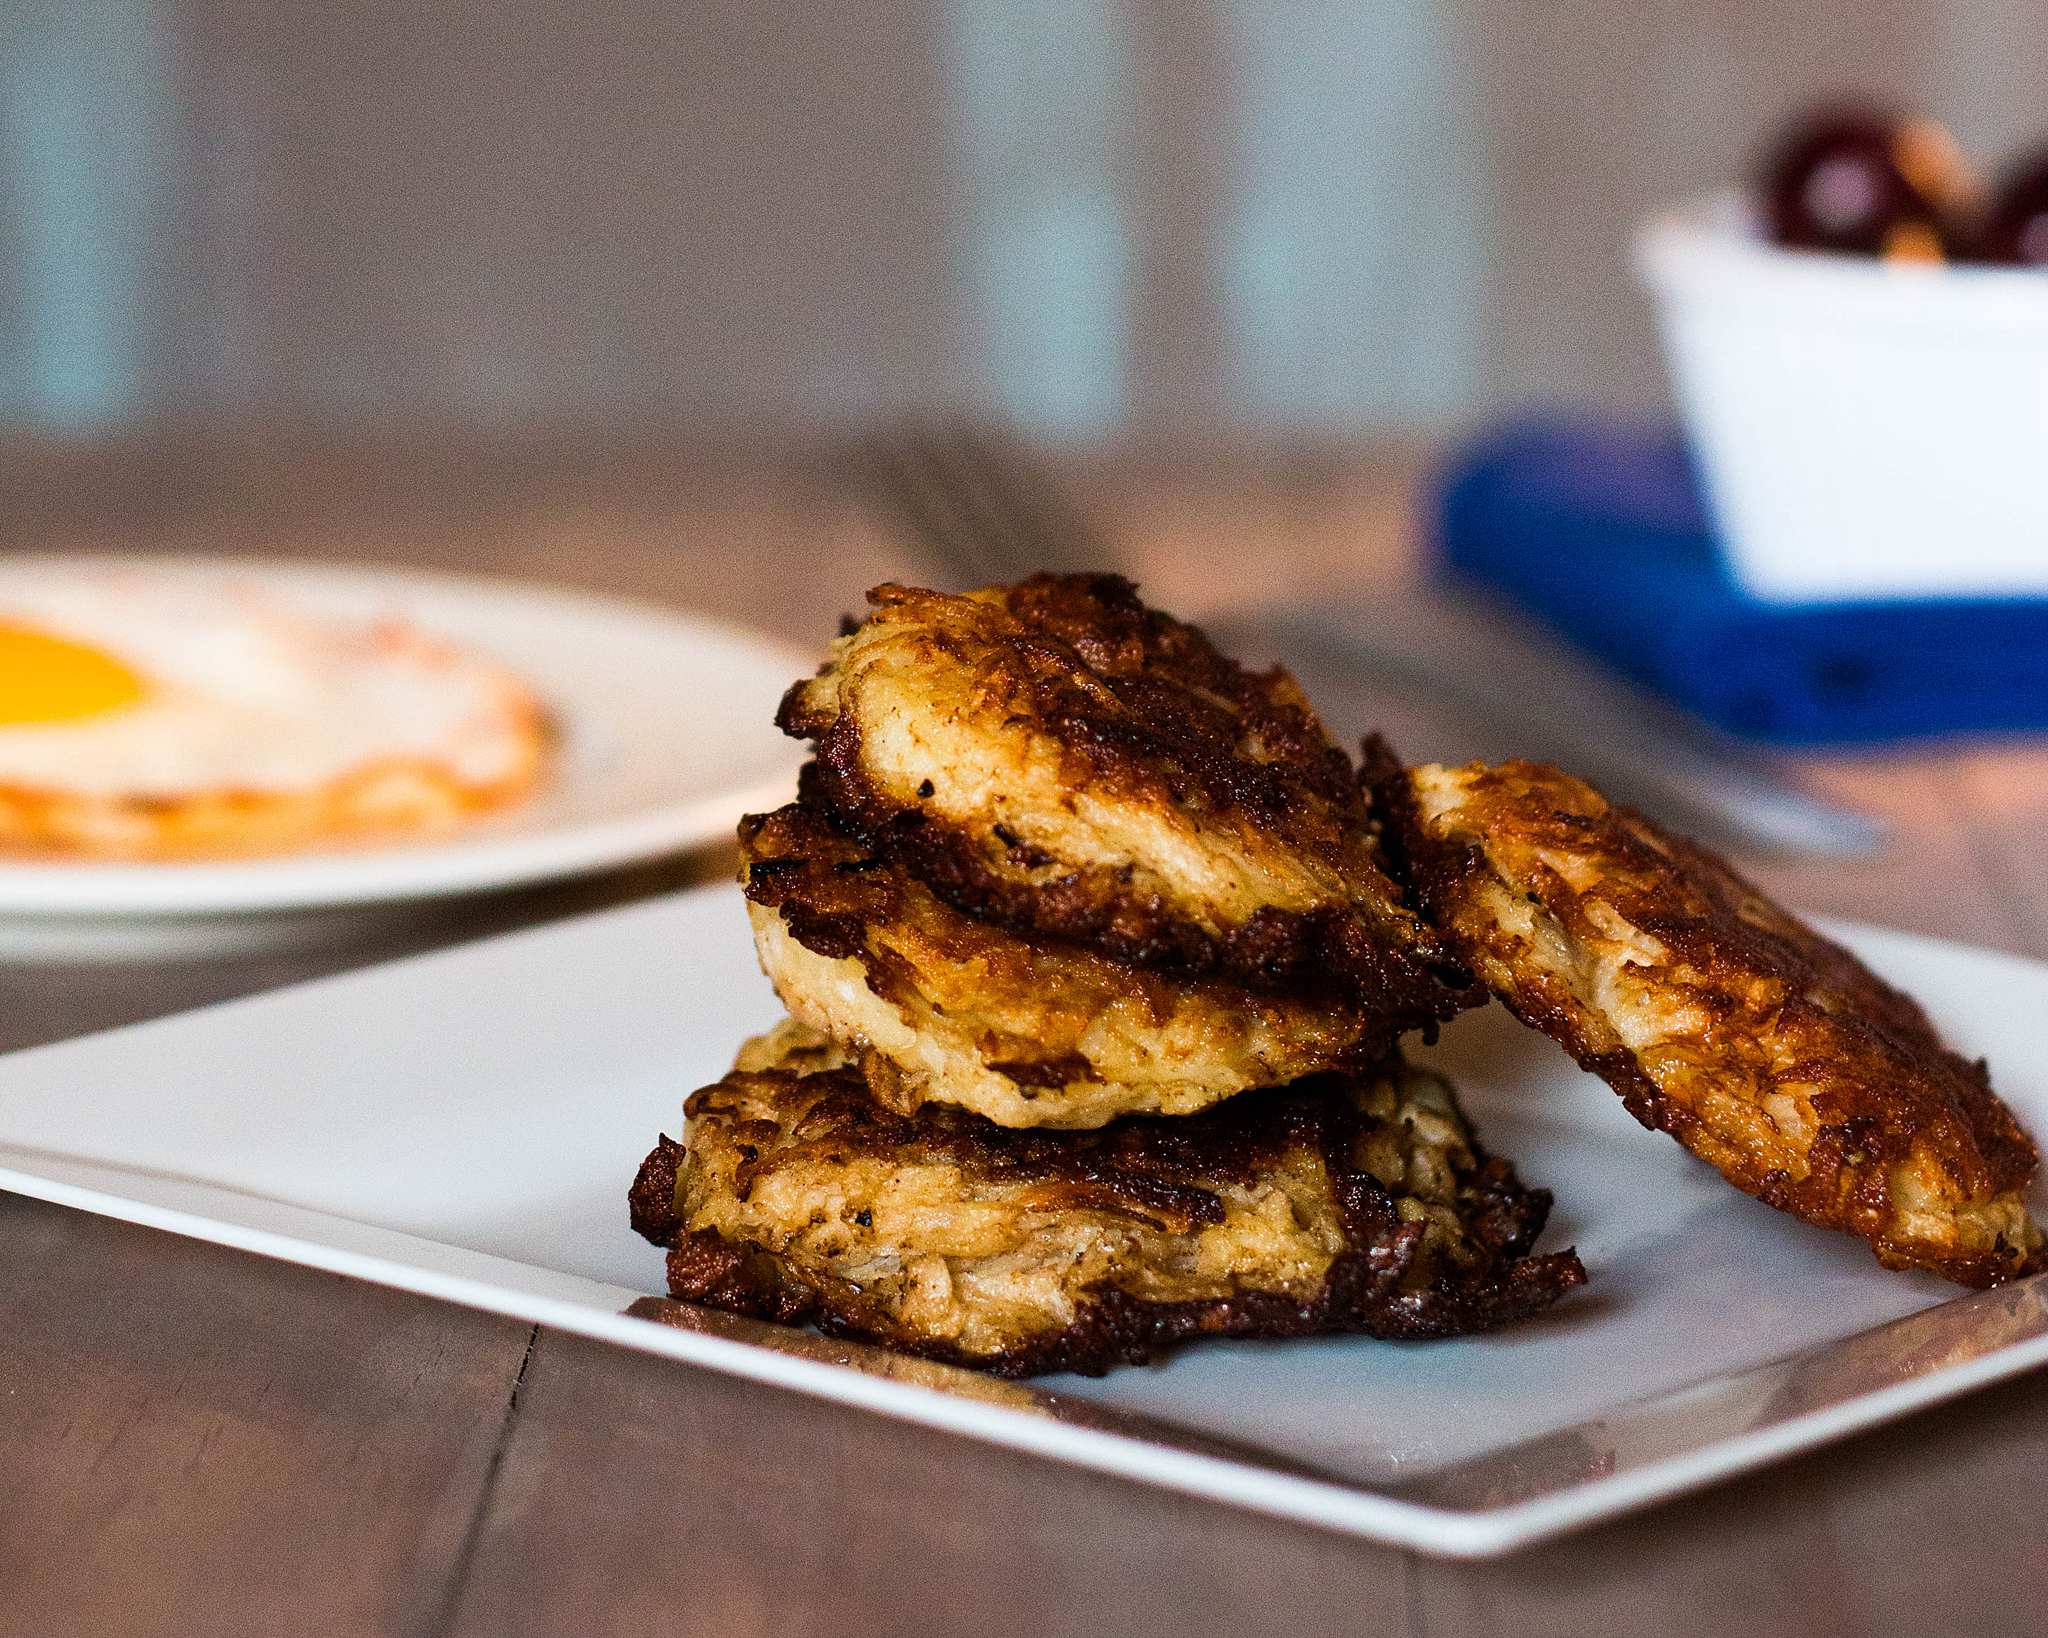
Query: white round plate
[[664, 736]]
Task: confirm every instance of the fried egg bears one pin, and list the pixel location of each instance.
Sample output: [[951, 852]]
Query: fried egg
[[146, 714]]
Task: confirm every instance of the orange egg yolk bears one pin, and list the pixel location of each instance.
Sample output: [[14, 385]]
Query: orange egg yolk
[[45, 678]]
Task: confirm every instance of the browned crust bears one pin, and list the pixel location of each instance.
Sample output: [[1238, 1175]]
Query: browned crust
[[1150, 706], [1784, 1005], [844, 899], [652, 1199], [1386, 1283], [1143, 707], [1162, 1167], [1362, 1296]]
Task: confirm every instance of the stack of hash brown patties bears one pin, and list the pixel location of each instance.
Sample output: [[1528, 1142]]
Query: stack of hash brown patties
[[1095, 977]]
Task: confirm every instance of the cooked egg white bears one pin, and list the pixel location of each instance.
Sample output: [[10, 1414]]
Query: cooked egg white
[[122, 685]]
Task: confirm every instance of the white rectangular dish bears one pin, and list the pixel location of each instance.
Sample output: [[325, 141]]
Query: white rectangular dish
[[466, 1124]]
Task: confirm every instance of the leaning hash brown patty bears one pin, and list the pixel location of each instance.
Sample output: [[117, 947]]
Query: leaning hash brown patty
[[1028, 1032], [1764, 1048], [1341, 1205], [1056, 756]]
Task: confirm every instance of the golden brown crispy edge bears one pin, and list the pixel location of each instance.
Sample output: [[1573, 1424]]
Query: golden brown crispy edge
[[1788, 1006], [843, 899], [1165, 1167], [1145, 706]]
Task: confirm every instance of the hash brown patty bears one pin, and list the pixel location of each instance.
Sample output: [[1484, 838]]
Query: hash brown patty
[[1058, 757], [1026, 1031], [1355, 1204], [1764, 1048]]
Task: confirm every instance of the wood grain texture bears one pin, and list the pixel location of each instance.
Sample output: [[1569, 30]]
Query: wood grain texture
[[704, 1505], [203, 1442]]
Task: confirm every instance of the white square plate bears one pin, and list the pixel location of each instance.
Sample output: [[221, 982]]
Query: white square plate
[[466, 1125]]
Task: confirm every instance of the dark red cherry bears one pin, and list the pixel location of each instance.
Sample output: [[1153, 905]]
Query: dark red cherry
[[2016, 229], [1865, 182]]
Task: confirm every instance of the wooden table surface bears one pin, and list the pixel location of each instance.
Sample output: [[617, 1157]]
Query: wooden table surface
[[200, 1441]]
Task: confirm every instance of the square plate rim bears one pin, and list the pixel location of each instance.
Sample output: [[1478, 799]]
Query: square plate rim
[[482, 1281]]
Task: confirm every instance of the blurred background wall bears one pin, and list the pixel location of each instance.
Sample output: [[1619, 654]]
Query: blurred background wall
[[1150, 220]]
